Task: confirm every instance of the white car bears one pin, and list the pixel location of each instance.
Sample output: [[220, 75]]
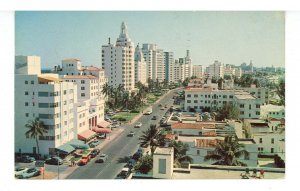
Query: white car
[[20, 170], [30, 173], [138, 125], [148, 112]]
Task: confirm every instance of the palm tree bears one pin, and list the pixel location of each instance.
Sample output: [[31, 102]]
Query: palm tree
[[153, 137], [180, 152], [36, 128], [228, 152], [105, 89]]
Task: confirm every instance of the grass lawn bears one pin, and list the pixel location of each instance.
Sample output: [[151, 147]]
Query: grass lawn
[[128, 116], [151, 98]]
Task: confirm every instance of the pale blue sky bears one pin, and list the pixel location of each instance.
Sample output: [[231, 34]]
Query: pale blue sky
[[230, 37]]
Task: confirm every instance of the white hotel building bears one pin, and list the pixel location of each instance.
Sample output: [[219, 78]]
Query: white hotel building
[[140, 66], [213, 99], [118, 61], [46, 97]]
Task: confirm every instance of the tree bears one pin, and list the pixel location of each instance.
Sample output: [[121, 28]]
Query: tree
[[105, 89], [145, 164], [228, 152], [36, 128], [220, 83], [153, 137], [280, 90], [228, 111], [180, 152]]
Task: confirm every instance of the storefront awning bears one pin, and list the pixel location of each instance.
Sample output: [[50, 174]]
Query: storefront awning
[[102, 130], [65, 148], [103, 124], [78, 144], [86, 135]]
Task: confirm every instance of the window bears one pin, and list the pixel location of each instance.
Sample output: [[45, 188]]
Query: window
[[32, 82], [43, 94], [27, 114], [198, 152], [195, 101], [82, 88], [249, 106], [162, 166], [26, 103], [58, 137], [26, 82], [188, 95], [65, 112], [82, 94], [65, 92], [272, 150], [82, 82], [195, 95], [260, 140], [257, 113], [231, 96], [224, 96], [188, 101], [257, 106], [43, 105], [246, 157], [242, 106], [65, 102], [26, 93], [272, 140]]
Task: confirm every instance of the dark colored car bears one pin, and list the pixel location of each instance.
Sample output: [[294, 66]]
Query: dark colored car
[[27, 159], [124, 174], [154, 117], [94, 143], [54, 161], [95, 152], [102, 158]]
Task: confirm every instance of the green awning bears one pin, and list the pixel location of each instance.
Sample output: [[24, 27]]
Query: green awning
[[78, 144], [65, 148]]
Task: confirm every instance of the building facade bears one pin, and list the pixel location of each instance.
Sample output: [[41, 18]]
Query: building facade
[[216, 70], [118, 61], [140, 66], [213, 99], [197, 71], [51, 100]]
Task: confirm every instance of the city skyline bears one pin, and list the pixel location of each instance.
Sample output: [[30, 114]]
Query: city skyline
[[229, 37]]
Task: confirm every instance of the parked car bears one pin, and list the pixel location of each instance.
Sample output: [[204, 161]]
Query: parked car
[[20, 170], [102, 158], [162, 108], [84, 159], [124, 174], [94, 153], [131, 134], [93, 144], [31, 172], [138, 125], [148, 112], [160, 105], [27, 159], [54, 161], [166, 106], [101, 136], [154, 117]]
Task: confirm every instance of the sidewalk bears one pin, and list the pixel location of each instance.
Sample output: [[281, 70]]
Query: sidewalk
[[113, 135]]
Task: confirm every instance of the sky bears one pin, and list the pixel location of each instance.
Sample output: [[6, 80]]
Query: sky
[[229, 37]]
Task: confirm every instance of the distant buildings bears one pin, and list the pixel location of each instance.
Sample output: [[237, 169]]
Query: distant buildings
[[216, 70], [140, 66], [118, 61], [198, 71]]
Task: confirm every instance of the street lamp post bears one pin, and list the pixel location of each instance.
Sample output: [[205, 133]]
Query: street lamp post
[[57, 165]]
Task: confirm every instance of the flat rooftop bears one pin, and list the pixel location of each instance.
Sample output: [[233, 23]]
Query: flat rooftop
[[163, 150], [221, 174]]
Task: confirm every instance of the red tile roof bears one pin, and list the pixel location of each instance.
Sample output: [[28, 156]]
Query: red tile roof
[[80, 77], [170, 136], [210, 134], [191, 125]]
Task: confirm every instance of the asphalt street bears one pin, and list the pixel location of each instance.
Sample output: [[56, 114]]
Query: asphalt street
[[121, 147]]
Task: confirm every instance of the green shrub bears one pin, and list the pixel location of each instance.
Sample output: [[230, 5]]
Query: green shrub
[[121, 119]]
